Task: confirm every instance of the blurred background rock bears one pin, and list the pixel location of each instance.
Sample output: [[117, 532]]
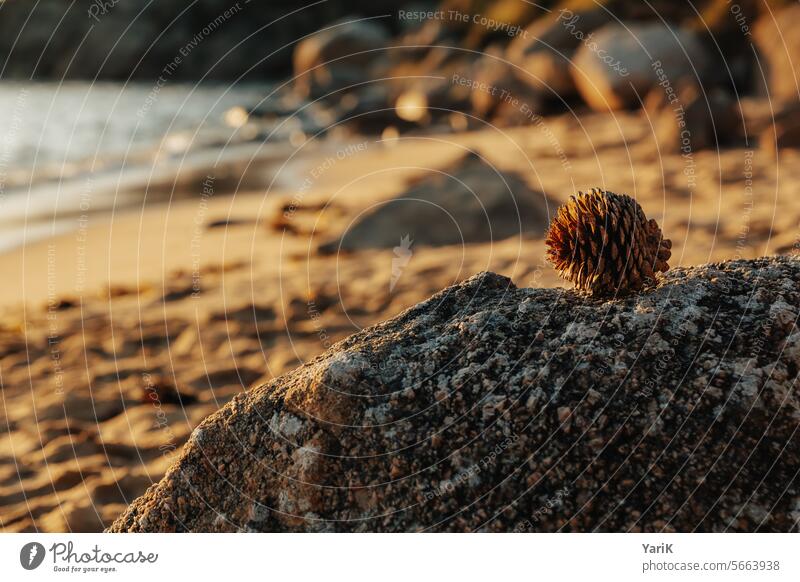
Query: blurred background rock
[[363, 61]]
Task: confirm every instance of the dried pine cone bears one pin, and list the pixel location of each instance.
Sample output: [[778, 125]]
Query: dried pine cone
[[604, 244]]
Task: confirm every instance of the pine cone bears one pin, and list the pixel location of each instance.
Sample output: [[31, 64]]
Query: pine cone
[[604, 244]]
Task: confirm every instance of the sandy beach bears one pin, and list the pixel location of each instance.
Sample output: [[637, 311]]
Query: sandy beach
[[121, 335]]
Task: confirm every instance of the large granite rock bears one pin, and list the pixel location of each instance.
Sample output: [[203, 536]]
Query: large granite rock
[[493, 408]]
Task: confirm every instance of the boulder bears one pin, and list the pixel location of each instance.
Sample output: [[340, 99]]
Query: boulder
[[544, 50], [471, 201], [338, 56], [615, 67], [694, 120], [725, 27], [757, 116], [499, 96], [778, 53], [493, 408]]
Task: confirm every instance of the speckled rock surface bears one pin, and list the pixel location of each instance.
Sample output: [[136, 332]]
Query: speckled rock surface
[[492, 408]]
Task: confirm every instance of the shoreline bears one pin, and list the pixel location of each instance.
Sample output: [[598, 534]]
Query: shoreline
[[120, 190]]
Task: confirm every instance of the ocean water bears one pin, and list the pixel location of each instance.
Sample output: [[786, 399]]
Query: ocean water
[[61, 142], [52, 130]]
